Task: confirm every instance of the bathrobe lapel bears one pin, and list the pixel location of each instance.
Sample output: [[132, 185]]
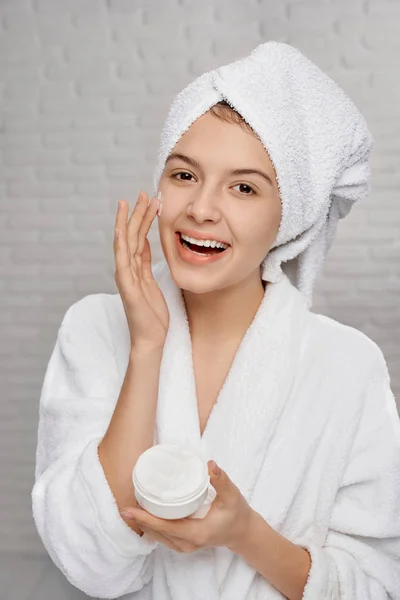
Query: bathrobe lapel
[[243, 419]]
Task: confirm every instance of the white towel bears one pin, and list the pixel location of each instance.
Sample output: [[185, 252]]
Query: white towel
[[315, 136]]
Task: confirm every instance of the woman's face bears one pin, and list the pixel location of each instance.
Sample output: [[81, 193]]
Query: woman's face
[[200, 193]]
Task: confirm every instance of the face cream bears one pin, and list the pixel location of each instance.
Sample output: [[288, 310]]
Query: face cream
[[172, 482]]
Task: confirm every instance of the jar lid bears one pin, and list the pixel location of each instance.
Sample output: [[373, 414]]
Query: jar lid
[[169, 473]]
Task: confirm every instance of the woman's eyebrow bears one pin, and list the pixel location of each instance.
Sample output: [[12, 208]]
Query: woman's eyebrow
[[196, 164], [252, 172]]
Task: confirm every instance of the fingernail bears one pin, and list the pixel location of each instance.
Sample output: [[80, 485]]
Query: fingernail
[[119, 204], [215, 469], [126, 514]]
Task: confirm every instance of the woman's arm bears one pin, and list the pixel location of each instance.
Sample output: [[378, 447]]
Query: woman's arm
[[131, 430], [284, 564]]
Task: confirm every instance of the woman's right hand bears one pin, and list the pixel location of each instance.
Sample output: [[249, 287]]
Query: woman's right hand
[[145, 307]]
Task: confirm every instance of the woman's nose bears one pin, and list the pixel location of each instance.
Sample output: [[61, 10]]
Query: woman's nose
[[204, 205]]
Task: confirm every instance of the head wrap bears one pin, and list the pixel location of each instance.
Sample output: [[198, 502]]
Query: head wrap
[[315, 136]]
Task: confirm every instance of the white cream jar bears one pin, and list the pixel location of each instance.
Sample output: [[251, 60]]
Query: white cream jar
[[172, 482]]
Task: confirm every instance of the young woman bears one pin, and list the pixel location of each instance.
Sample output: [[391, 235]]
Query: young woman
[[216, 348]]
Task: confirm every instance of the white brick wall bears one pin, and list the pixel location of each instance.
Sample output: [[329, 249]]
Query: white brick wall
[[85, 86]]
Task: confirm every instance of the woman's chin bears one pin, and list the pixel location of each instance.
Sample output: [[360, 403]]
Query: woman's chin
[[188, 279], [192, 284]]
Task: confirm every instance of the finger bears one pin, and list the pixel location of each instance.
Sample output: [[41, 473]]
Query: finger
[[147, 273], [173, 543], [184, 529], [160, 538], [146, 224], [135, 221], [121, 250]]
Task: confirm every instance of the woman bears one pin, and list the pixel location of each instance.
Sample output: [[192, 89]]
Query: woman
[[218, 349]]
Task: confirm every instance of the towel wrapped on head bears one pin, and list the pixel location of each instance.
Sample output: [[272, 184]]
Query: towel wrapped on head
[[315, 136]]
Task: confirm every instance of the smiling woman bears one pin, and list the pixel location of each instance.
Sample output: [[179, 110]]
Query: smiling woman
[[219, 183], [215, 349]]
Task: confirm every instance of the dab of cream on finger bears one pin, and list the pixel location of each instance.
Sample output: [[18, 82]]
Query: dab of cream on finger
[[160, 201]]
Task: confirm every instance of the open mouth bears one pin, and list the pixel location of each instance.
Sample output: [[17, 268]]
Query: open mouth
[[202, 250]]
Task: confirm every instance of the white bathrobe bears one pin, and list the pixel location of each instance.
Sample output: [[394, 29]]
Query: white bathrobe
[[305, 425]]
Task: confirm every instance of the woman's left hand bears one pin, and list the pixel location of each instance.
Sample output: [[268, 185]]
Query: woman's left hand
[[225, 524]]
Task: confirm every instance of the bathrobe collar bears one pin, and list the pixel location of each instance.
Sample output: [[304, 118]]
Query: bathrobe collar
[[243, 420]]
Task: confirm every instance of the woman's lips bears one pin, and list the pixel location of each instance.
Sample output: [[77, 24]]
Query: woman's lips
[[197, 259]]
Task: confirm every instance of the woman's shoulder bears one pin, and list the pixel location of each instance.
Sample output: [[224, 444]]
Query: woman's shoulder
[[343, 342], [100, 315], [91, 311]]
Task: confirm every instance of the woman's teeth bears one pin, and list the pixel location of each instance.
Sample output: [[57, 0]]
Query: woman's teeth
[[203, 243], [199, 249]]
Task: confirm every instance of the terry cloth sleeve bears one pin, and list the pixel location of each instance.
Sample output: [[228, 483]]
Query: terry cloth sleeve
[[360, 559], [75, 512]]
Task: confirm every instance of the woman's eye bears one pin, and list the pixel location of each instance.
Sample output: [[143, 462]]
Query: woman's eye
[[244, 185], [182, 173]]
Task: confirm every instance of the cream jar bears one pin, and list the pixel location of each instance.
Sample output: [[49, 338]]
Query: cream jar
[[172, 482]]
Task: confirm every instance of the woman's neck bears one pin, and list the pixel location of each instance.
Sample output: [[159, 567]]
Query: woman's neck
[[223, 315]]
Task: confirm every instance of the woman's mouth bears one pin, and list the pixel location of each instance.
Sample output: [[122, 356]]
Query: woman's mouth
[[198, 255]]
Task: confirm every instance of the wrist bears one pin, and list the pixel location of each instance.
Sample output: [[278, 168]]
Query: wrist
[[145, 351], [243, 541]]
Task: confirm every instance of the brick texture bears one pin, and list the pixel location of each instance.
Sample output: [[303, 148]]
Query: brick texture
[[84, 88]]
